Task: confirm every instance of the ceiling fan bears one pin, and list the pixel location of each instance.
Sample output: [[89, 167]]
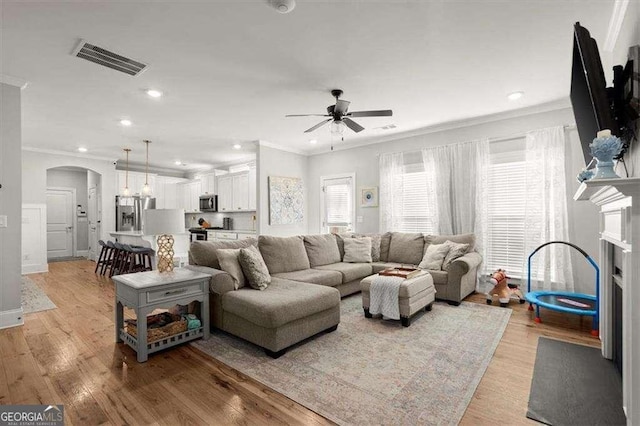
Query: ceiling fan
[[338, 113]]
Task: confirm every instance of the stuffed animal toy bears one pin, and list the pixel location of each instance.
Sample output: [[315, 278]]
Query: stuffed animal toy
[[503, 290]]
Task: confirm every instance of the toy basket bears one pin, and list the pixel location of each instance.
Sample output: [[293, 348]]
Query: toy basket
[[159, 326]]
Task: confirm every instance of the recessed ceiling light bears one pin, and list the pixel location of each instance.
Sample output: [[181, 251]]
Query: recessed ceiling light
[[126, 122], [313, 141], [237, 146], [178, 162], [154, 93], [515, 95], [82, 149]]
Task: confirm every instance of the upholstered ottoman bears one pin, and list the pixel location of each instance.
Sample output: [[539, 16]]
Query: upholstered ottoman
[[415, 294]]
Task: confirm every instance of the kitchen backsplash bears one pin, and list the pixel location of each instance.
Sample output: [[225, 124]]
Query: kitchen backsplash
[[241, 221]]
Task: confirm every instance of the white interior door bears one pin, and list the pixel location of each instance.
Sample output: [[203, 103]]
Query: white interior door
[[92, 216], [60, 223]]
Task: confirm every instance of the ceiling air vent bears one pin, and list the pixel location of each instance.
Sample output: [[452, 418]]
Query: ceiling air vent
[[387, 127], [106, 58]]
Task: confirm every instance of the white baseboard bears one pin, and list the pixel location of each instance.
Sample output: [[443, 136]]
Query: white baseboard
[[82, 253], [11, 318], [35, 268]]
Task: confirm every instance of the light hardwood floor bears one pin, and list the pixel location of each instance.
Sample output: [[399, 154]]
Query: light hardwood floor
[[68, 356]]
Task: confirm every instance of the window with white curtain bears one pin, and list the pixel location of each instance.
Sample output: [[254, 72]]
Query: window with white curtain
[[338, 205], [417, 210], [506, 212]]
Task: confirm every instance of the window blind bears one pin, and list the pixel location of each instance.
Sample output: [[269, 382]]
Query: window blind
[[506, 213], [417, 211], [338, 202]]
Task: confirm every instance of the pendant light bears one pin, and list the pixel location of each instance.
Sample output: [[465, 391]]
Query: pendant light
[[126, 191], [146, 189]]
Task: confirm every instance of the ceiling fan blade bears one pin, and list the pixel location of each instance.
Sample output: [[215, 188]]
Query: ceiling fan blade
[[322, 123], [307, 115], [352, 125], [341, 107], [378, 113]]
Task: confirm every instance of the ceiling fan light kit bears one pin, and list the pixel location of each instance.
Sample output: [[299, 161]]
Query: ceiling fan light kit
[[283, 6], [339, 116]]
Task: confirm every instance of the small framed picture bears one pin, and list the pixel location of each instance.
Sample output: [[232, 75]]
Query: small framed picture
[[369, 197]]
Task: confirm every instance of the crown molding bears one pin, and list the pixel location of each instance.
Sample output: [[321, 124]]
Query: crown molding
[[14, 81], [68, 154], [615, 24], [556, 105], [282, 147]]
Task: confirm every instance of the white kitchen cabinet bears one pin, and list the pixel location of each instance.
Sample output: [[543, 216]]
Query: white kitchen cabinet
[[160, 193], [136, 182], [208, 182], [225, 193], [241, 192], [253, 180], [166, 192], [236, 192], [189, 196]]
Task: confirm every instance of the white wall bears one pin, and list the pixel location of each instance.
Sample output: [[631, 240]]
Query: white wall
[[275, 162], [10, 206], [363, 161], [63, 178], [34, 176]]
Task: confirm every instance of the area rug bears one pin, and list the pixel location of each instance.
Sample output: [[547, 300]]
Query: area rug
[[374, 371], [33, 298], [574, 385]]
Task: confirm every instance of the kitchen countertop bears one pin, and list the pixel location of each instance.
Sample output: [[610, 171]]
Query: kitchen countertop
[[237, 231], [135, 233]]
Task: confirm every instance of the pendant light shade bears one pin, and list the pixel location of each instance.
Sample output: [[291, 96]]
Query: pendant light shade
[[126, 192], [146, 189]]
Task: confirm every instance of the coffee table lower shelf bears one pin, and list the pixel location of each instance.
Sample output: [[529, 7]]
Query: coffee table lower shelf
[[164, 343]]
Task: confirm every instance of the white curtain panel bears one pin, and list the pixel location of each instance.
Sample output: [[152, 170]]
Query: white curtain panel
[[461, 174], [391, 190], [546, 217]]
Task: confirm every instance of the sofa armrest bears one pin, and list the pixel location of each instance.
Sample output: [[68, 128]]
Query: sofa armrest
[[220, 283], [466, 263], [462, 277]]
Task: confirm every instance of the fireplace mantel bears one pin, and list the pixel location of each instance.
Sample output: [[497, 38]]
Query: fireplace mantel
[[619, 202]]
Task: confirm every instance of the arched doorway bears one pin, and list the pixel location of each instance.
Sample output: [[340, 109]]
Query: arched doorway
[[74, 211]]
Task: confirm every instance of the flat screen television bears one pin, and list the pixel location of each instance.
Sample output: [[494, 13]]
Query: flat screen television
[[591, 104]]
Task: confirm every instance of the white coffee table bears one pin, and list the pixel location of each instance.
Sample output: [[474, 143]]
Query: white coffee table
[[146, 291]]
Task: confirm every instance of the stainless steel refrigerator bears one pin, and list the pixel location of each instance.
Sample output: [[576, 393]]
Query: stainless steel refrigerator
[[130, 212]]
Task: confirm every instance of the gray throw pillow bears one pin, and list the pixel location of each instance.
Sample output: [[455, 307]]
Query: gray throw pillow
[[357, 250], [254, 268], [455, 251], [229, 263]]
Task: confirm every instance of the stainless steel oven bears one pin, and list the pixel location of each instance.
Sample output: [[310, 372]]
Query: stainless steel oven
[[198, 234], [208, 203]]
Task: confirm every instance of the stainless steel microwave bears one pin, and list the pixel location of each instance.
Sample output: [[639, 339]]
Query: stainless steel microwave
[[208, 203]]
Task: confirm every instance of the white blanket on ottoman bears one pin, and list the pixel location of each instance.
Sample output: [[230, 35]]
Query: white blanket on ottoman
[[383, 294]]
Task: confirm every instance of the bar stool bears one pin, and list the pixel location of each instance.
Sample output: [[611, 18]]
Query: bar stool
[[118, 260], [136, 259], [113, 252], [104, 255]]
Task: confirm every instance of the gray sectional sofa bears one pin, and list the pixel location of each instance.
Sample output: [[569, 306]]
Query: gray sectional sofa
[[308, 278]]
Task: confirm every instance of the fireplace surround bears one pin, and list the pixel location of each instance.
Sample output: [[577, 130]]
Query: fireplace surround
[[619, 204]]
